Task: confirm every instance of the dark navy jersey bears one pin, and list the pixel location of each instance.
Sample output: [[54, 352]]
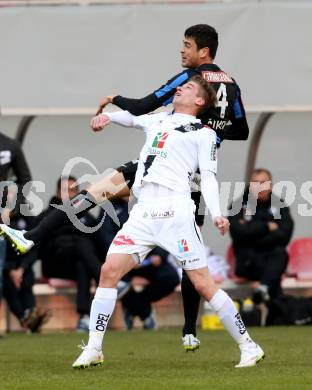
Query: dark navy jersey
[[228, 118], [12, 157]]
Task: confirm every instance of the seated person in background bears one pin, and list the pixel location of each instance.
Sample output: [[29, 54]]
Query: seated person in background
[[19, 279], [69, 253], [163, 279], [260, 237], [11, 157], [162, 276]]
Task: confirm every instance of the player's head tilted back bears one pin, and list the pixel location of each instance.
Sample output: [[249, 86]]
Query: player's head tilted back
[[200, 45], [194, 97]]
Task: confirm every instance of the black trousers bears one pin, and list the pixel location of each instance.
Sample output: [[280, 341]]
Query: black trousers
[[76, 260], [163, 280], [19, 299], [267, 267], [191, 301]]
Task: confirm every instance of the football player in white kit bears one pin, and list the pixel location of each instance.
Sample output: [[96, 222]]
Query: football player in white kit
[[176, 146]]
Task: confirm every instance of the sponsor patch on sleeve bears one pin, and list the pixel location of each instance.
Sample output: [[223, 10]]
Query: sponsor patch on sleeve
[[213, 153]]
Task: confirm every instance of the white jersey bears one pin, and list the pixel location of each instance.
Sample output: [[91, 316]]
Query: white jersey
[[176, 146]]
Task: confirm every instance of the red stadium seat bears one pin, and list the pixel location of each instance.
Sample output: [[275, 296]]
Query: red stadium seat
[[231, 260], [61, 283], [300, 258]]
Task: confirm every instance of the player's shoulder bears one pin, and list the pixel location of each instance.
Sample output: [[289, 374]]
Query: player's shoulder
[[207, 131], [189, 126], [158, 116], [179, 78], [153, 117]]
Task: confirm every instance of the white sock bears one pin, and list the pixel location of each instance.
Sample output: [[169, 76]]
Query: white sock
[[224, 307], [102, 308]]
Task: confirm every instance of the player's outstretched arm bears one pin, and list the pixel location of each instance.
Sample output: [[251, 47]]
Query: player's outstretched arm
[[104, 102], [123, 118], [98, 122], [160, 97]]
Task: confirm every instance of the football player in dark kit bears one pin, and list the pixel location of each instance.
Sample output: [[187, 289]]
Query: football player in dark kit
[[228, 119]]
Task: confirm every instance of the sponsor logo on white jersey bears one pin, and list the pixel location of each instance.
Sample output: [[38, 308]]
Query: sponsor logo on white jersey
[[193, 260], [156, 152], [188, 127], [161, 215]]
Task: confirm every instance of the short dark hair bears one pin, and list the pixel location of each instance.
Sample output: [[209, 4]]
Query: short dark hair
[[204, 36], [60, 179], [256, 171], [207, 92]]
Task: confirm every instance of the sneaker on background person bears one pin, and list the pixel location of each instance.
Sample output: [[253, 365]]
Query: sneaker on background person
[[149, 323], [128, 318], [122, 288], [83, 323], [34, 319]]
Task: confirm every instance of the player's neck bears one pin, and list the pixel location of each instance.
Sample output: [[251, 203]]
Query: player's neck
[[207, 61], [185, 110]]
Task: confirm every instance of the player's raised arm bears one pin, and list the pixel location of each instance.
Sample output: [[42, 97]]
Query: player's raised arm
[[104, 102], [123, 118], [160, 97]]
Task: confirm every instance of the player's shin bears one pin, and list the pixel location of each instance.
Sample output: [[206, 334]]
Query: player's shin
[[224, 307], [102, 308]]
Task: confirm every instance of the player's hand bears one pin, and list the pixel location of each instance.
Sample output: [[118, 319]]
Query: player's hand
[[104, 102], [222, 224], [5, 215], [272, 226], [99, 122], [156, 260]]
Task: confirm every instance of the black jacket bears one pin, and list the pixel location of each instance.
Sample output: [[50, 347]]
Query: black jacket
[[65, 236], [251, 234], [13, 260], [12, 157]]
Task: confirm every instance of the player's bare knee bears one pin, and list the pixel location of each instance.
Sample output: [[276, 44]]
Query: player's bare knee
[[199, 285], [204, 289], [109, 274]]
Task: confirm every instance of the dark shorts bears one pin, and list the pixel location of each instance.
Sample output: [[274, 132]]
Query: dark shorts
[[129, 170]]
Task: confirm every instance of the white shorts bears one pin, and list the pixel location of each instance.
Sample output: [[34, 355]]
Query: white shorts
[[168, 222]]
